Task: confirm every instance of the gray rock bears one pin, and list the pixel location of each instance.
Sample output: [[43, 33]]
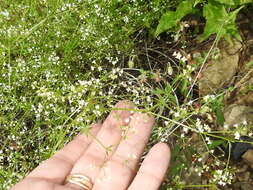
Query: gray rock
[[242, 186], [248, 157], [219, 72], [236, 114]]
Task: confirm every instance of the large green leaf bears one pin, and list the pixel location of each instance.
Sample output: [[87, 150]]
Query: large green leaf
[[171, 18], [219, 21], [242, 2], [227, 2], [234, 2], [167, 21]]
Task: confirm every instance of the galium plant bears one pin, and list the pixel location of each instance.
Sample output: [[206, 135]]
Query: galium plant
[[64, 64]]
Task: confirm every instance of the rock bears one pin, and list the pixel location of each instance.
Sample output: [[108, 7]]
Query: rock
[[242, 93], [244, 176], [192, 176], [248, 157], [242, 186], [242, 168], [239, 148], [236, 114], [219, 72]]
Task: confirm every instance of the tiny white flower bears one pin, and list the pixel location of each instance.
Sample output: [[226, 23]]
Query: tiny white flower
[[184, 59], [177, 114], [185, 130], [100, 68], [5, 13], [226, 126], [237, 135], [177, 55], [235, 125]]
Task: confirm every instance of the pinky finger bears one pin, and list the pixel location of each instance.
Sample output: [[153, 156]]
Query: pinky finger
[[153, 169]]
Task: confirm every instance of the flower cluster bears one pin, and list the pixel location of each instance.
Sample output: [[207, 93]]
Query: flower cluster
[[222, 177]]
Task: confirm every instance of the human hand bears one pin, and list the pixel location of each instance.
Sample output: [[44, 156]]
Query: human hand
[[109, 155]]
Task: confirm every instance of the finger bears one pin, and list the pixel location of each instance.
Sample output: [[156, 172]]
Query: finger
[[106, 141], [57, 167], [153, 169], [120, 169], [38, 184]]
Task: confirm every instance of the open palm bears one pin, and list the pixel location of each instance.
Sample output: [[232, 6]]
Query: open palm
[[109, 155]]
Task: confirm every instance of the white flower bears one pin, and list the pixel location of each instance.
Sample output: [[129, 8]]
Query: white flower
[[185, 130], [5, 13], [206, 98], [100, 68], [176, 114], [166, 123], [199, 126], [226, 126], [149, 99], [82, 103], [244, 122], [177, 55], [235, 125], [221, 183], [184, 59], [237, 135]]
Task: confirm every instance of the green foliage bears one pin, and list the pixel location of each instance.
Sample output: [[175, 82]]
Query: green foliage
[[220, 17], [49, 52], [234, 2], [219, 21], [250, 64], [217, 106], [228, 2], [216, 143], [171, 18], [64, 64]]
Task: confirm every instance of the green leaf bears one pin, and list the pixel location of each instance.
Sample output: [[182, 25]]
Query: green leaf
[[197, 2], [217, 107], [243, 2], [167, 21], [234, 2], [226, 2], [219, 21], [184, 8], [215, 143], [171, 18], [250, 64], [219, 115]]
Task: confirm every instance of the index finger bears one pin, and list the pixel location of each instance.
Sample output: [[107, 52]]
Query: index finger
[[58, 166]]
